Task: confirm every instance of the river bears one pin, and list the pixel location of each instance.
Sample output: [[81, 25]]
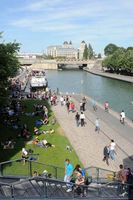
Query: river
[[118, 93]]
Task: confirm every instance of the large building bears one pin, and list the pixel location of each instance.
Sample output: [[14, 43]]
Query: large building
[[81, 49], [66, 50]]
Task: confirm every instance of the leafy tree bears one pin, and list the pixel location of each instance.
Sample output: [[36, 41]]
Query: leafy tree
[[85, 54], [120, 61], [90, 51], [128, 59], [110, 49], [9, 66]]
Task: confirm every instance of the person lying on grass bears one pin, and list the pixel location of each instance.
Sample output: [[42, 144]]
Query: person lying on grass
[[45, 144]]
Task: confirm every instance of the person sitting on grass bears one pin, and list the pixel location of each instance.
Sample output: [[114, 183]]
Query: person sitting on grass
[[25, 133], [35, 173], [45, 120], [51, 131], [24, 155], [45, 143], [35, 140], [8, 144]]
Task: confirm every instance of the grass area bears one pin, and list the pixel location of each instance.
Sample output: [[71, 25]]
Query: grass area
[[49, 156]]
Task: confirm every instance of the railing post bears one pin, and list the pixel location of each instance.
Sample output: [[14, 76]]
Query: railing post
[[12, 192], [56, 175], [1, 170], [97, 175], [30, 168], [45, 189]]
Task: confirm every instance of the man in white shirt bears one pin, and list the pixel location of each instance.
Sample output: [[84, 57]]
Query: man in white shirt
[[112, 151], [82, 119], [61, 100], [122, 117]]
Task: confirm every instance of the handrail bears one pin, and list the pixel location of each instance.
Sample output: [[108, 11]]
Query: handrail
[[21, 159]]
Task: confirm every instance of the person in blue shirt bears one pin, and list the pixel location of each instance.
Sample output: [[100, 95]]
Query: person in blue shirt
[[68, 174]]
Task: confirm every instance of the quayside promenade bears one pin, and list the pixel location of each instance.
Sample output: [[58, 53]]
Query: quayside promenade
[[99, 72], [88, 143]]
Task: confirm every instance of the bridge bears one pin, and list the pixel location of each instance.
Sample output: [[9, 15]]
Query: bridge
[[40, 63]]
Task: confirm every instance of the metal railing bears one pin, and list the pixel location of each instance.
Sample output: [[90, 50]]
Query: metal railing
[[26, 168], [44, 188], [100, 175]]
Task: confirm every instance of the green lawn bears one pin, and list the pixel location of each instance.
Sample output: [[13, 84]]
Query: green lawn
[[49, 156]]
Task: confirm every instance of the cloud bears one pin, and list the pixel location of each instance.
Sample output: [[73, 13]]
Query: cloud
[[92, 20]]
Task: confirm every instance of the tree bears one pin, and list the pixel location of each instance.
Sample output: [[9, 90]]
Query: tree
[[120, 61], [110, 49], [9, 66], [90, 51], [85, 54]]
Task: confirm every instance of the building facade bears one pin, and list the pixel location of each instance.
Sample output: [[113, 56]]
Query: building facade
[[65, 51]]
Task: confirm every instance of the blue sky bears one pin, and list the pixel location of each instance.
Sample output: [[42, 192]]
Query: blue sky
[[39, 23]]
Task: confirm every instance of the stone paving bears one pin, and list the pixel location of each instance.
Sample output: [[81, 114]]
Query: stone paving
[[89, 144]]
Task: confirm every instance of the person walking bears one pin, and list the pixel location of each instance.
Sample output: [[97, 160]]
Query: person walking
[[77, 118], [82, 119], [122, 178], [122, 117], [106, 154], [61, 100], [112, 151], [68, 174], [83, 103], [97, 125], [94, 105], [106, 106], [81, 106]]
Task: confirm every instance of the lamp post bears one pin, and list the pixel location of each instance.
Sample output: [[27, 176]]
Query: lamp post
[[82, 82]]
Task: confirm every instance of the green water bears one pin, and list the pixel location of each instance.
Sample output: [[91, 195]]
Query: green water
[[118, 93]]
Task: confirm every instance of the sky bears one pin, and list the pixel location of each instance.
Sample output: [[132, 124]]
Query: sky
[[37, 24]]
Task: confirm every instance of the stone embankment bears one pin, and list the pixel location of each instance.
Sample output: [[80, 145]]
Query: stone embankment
[[99, 72], [89, 144]]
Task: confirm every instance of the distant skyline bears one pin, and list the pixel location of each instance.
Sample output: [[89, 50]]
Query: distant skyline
[[37, 24]]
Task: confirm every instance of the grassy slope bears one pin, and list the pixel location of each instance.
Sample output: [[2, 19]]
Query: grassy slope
[[52, 156]]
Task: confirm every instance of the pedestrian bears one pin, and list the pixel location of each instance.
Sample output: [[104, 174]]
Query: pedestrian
[[106, 154], [83, 103], [106, 106], [77, 118], [94, 105], [81, 106], [97, 125], [68, 105], [122, 117], [122, 178], [61, 100], [112, 151], [68, 174], [130, 184], [82, 119]]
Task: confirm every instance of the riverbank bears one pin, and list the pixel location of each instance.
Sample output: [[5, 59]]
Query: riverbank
[[109, 75], [88, 144]]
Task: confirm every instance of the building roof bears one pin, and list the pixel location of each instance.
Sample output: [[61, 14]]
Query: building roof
[[83, 42]]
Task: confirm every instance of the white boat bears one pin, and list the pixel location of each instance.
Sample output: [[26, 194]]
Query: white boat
[[38, 82]]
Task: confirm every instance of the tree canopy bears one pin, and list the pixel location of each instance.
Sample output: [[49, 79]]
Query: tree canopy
[[9, 65], [110, 49], [120, 60], [88, 52]]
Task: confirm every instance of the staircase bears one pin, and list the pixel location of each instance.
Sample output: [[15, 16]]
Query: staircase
[[41, 187]]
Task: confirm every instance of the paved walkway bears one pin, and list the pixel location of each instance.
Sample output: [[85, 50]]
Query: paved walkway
[[109, 75], [88, 144]]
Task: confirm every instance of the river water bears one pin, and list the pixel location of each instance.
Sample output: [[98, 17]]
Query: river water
[[118, 93]]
